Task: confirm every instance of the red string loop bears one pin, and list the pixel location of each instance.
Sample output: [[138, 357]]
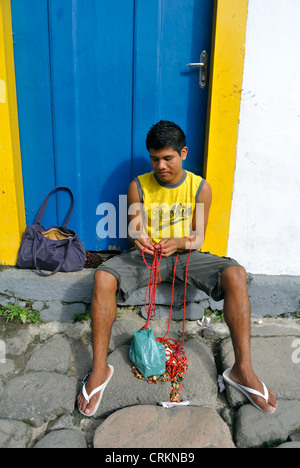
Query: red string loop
[[153, 281], [176, 361]]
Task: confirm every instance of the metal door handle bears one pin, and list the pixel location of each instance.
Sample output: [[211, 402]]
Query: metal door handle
[[195, 65], [203, 68]]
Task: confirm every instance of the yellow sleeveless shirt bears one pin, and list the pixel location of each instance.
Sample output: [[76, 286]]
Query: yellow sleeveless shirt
[[168, 209]]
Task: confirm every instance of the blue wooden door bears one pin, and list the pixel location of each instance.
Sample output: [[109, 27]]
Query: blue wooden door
[[92, 77]]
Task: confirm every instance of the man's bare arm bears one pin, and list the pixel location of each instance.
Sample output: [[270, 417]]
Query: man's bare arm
[[200, 225], [137, 234]]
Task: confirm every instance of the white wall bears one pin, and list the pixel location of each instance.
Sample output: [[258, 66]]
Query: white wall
[[265, 219]]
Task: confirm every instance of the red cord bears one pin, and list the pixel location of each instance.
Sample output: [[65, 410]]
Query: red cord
[[153, 281], [176, 364], [154, 272], [185, 286]]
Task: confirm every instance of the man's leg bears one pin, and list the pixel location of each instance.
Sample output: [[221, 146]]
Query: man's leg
[[237, 316], [103, 314]]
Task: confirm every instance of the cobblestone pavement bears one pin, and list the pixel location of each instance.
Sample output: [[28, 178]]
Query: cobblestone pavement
[[41, 366]]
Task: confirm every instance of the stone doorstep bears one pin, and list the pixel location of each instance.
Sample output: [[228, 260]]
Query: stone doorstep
[[269, 295]]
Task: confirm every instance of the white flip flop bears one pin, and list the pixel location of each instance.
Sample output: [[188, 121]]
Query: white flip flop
[[248, 391], [96, 390]]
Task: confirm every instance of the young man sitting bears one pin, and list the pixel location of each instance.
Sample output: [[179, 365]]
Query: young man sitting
[[180, 192]]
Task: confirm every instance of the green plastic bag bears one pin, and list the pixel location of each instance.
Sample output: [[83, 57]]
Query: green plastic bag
[[147, 354]]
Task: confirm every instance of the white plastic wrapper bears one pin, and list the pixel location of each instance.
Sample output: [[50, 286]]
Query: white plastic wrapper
[[221, 383], [204, 322], [171, 404]]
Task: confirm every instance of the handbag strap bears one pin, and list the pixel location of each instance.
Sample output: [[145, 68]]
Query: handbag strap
[[59, 266], [43, 207]]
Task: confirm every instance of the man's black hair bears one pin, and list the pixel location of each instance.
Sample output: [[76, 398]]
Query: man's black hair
[[165, 134]]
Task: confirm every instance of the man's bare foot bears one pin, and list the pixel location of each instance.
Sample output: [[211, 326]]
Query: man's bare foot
[[94, 381], [250, 380]]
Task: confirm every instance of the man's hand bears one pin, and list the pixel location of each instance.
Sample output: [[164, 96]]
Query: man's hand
[[169, 246], [144, 242], [173, 244]]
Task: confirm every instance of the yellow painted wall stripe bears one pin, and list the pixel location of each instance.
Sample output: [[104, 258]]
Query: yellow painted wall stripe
[[11, 184], [223, 116]]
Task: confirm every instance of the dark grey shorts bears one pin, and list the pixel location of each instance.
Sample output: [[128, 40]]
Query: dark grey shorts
[[204, 271]]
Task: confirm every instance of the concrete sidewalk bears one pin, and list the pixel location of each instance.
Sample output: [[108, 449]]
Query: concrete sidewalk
[[41, 366]]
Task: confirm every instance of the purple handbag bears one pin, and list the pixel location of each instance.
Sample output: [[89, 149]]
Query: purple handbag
[[55, 249]]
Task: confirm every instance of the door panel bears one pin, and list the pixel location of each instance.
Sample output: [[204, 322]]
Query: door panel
[[32, 64], [167, 37], [91, 57], [92, 77]]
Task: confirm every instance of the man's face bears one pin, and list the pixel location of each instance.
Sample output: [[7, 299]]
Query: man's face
[[167, 164]]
